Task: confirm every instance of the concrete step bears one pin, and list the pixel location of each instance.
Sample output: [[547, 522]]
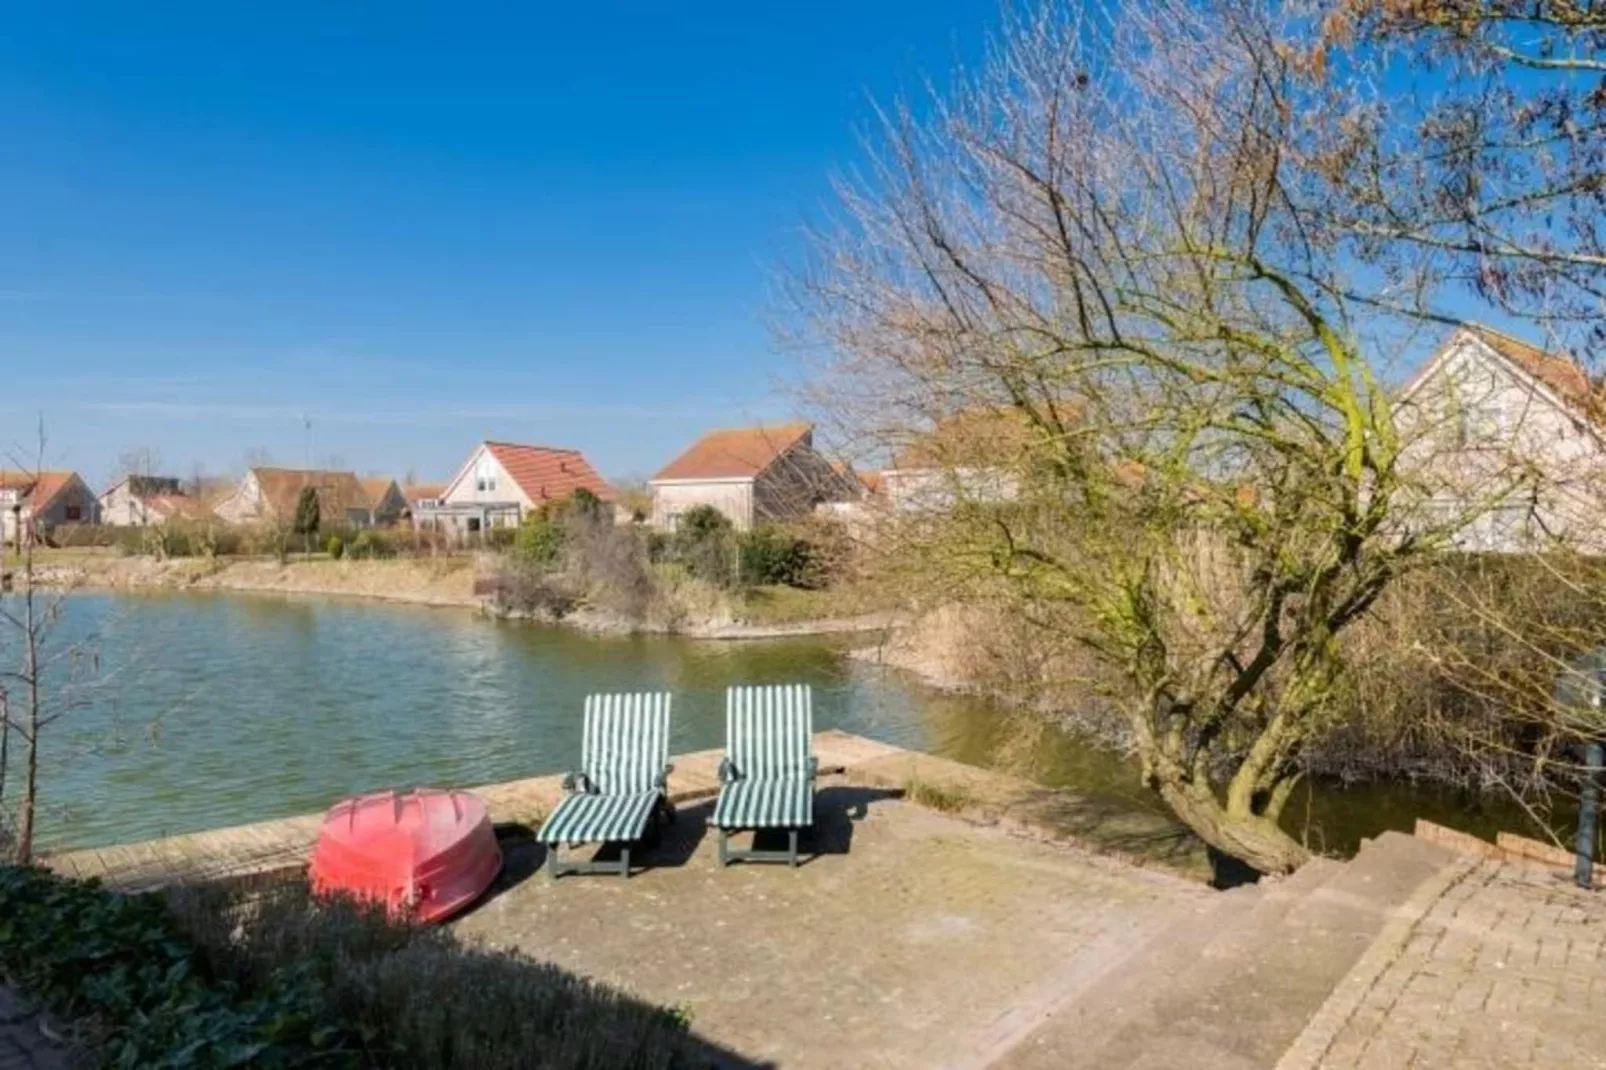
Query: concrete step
[[1232, 986]]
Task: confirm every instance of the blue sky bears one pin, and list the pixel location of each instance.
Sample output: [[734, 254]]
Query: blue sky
[[421, 226]]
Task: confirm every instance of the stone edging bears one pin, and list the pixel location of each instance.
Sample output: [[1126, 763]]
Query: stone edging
[[1309, 1048]]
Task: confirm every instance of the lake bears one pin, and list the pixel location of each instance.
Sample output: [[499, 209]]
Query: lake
[[203, 710]]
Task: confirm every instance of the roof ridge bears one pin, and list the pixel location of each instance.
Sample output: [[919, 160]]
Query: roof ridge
[[760, 427], [530, 446]]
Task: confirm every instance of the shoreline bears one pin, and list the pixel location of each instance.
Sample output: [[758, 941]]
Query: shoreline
[[439, 583]]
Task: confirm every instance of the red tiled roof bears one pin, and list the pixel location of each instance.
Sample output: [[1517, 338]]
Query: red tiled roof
[[545, 473], [1557, 371], [338, 492], [376, 488], [179, 506], [38, 489], [971, 437], [736, 453], [418, 492]]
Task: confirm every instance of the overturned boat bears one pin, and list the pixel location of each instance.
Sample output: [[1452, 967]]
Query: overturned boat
[[426, 854]]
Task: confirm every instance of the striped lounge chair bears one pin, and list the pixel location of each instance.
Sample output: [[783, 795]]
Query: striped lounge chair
[[767, 776], [622, 783]]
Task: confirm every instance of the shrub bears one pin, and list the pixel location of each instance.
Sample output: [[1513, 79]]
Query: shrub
[[84, 535], [336, 546], [122, 970], [540, 538], [499, 538], [271, 977], [428, 999], [771, 556], [704, 543], [371, 545], [526, 590]]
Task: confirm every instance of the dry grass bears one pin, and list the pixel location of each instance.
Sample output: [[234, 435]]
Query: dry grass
[[944, 798], [421, 998]]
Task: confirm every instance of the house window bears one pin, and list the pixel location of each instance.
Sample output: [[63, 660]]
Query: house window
[[485, 474], [473, 523], [74, 513]]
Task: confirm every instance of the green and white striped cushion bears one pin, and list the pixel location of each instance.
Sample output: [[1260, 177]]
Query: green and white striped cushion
[[769, 741], [626, 742], [769, 731], [599, 818], [756, 804], [624, 750]]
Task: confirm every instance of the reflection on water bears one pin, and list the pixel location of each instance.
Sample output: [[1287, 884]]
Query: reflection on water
[[219, 709]]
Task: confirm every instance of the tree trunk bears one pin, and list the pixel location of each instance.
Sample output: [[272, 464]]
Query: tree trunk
[[1254, 840], [30, 784]]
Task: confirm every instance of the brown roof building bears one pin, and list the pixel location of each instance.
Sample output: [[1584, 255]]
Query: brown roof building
[[33, 502], [750, 474], [269, 495]]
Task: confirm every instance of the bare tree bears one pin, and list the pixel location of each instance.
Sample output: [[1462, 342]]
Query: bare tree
[[1488, 180], [139, 461], [1097, 248], [44, 684]]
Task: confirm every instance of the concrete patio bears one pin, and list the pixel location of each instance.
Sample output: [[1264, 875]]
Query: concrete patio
[[912, 940]]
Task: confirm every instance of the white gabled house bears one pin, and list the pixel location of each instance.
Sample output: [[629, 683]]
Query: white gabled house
[[31, 503], [501, 483], [1507, 443]]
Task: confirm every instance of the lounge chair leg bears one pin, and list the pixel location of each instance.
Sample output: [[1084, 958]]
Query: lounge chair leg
[[724, 847], [624, 862], [552, 860], [792, 861]]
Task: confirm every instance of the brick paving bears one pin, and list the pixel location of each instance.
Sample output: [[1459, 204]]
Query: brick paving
[[1507, 968], [915, 941]]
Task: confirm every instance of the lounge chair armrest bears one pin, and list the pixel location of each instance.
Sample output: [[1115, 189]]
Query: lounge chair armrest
[[661, 781], [727, 771], [576, 783], [813, 767]]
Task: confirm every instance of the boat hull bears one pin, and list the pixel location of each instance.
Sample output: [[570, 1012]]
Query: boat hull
[[424, 854]]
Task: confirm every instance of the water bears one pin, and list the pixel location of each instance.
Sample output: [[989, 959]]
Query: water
[[203, 710]]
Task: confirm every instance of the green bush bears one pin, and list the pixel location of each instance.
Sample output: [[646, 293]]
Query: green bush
[[499, 538], [336, 546], [210, 976], [371, 545], [771, 556], [704, 542], [540, 538], [121, 969]]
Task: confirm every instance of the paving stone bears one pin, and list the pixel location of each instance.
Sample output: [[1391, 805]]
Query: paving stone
[[915, 940], [1516, 982]]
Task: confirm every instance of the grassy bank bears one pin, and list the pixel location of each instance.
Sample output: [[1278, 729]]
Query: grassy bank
[[450, 580]]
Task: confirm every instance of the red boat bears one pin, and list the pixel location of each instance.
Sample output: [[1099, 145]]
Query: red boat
[[425, 854]]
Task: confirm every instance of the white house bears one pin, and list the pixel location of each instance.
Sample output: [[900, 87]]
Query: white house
[[750, 474], [139, 501], [1505, 444], [31, 503], [969, 456], [501, 483]]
